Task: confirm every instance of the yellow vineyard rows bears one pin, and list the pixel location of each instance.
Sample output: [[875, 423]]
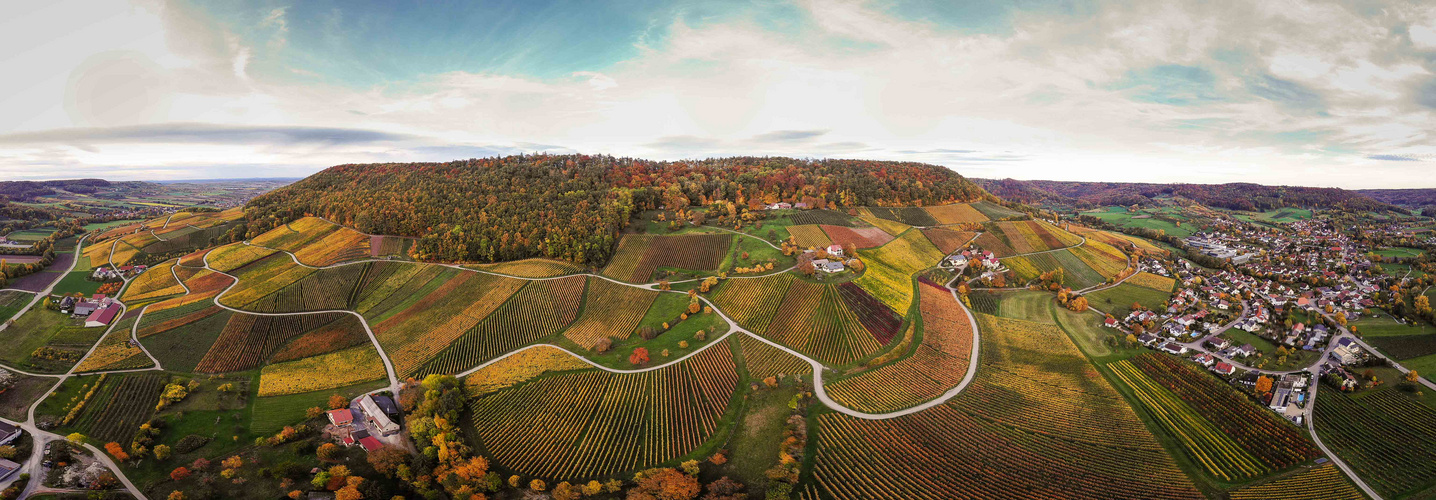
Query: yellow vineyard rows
[[326, 371]]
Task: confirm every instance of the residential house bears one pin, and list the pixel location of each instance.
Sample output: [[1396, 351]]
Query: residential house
[[341, 417], [1224, 368], [835, 251]]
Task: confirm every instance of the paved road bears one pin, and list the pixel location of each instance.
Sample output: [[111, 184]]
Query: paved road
[[46, 292]]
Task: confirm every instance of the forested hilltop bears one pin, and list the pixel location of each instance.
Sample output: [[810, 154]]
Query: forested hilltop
[[572, 207], [1233, 196]]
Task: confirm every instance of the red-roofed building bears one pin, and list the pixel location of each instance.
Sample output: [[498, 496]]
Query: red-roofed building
[[102, 316], [341, 416], [370, 443], [1224, 368]]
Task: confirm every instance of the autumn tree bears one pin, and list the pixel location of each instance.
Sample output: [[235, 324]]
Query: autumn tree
[[1263, 384], [639, 356], [117, 451], [1412, 376], [179, 473], [725, 489], [565, 491], [387, 460], [664, 484], [336, 402]]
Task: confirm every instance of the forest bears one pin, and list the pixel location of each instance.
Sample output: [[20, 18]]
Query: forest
[[572, 207], [29, 190], [1233, 196]]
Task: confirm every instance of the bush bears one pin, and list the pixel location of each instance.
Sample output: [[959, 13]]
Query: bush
[[190, 443], [647, 333]]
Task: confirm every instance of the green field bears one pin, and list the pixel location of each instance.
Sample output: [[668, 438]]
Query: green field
[[40, 327], [997, 212], [1122, 217], [11, 301], [102, 225], [1283, 215], [1269, 360], [1399, 252], [31, 235], [666, 308], [76, 281], [1118, 300], [1380, 323]]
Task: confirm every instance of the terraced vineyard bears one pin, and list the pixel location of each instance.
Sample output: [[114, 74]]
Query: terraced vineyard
[[890, 269], [752, 302], [538, 310], [1036, 405], [597, 423], [947, 240], [959, 213], [639, 255], [123, 402], [937, 365], [610, 310], [809, 236], [815, 321]]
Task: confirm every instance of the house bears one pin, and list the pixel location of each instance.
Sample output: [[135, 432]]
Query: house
[[1110, 323], [957, 260], [103, 316], [835, 250], [780, 205], [1218, 343], [386, 404], [829, 266], [377, 417], [85, 308], [1244, 351], [1224, 368], [1346, 350], [370, 443], [1174, 348], [8, 433], [1205, 359], [1279, 399], [1147, 339], [341, 417]]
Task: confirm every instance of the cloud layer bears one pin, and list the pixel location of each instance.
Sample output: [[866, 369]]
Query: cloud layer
[[1198, 91]]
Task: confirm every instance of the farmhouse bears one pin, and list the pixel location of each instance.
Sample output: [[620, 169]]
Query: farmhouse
[[829, 266], [102, 316], [1346, 351], [835, 250], [341, 417], [377, 417]]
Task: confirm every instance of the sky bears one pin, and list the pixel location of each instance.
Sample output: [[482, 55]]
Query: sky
[[1338, 93]]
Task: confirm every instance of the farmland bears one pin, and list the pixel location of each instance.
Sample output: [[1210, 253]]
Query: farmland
[[611, 311], [538, 310], [1219, 429], [11, 301], [156, 282], [1322, 482], [531, 268], [1118, 300], [247, 340], [120, 404], [890, 268], [829, 217], [937, 364], [594, 423], [1388, 438], [861, 237], [1143, 219], [888, 226], [325, 371], [764, 360], [947, 240], [521, 367], [752, 302], [815, 320], [417, 311], [115, 352], [1036, 405], [809, 236], [640, 255], [912, 216], [47, 341], [958, 213], [1152, 281]]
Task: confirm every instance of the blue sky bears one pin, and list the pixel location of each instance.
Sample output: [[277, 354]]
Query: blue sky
[[1317, 93]]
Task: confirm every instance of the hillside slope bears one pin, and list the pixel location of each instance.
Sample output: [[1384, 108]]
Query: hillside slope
[[1234, 196], [1415, 199], [572, 207]]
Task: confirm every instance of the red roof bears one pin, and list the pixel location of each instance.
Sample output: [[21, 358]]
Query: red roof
[[1224, 367], [369, 443], [104, 315], [341, 416]]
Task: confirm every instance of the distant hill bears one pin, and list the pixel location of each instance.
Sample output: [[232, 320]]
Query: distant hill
[[572, 207], [1415, 199], [1234, 196], [29, 190]]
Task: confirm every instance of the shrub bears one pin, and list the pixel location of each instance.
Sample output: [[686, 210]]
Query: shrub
[[190, 443]]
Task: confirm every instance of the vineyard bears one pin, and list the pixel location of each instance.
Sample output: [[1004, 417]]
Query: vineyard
[[765, 361], [1207, 446], [595, 423], [610, 311], [1104, 258], [1152, 281], [809, 236], [519, 368], [947, 240], [860, 237], [341, 245], [1323, 482], [115, 352], [339, 334], [120, 405], [992, 243], [326, 371], [815, 320], [1078, 273], [539, 309], [1017, 237], [194, 259], [418, 311], [752, 302], [1225, 432], [882, 322], [1118, 300], [1388, 439], [236, 255], [247, 341], [698, 252], [816, 217], [1038, 422], [383, 246], [890, 227], [936, 366], [532, 268], [296, 235], [98, 254], [890, 269], [316, 290], [1118, 240], [624, 263], [182, 337], [960, 213], [158, 281], [912, 216]]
